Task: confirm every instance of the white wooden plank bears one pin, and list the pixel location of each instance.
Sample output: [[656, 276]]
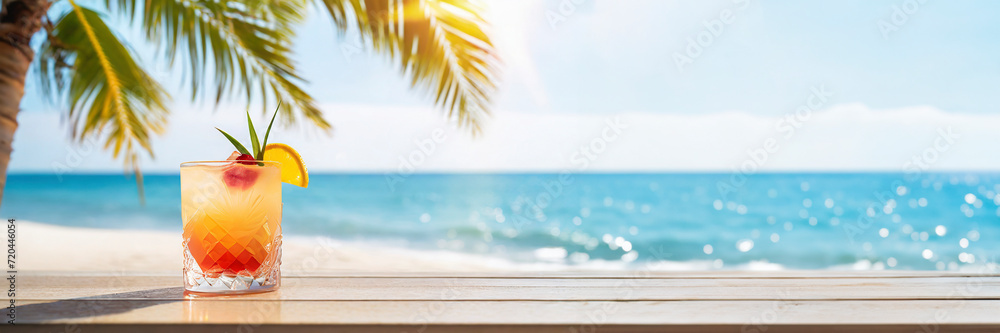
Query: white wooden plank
[[583, 314], [168, 287], [571, 274], [500, 328], [542, 304]]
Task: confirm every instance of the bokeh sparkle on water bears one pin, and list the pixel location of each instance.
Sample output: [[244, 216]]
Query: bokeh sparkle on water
[[937, 221]]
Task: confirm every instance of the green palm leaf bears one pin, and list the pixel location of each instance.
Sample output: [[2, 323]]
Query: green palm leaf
[[245, 47], [441, 45], [248, 43], [108, 91]]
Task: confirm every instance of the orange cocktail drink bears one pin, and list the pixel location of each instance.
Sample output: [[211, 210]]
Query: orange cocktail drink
[[231, 212]]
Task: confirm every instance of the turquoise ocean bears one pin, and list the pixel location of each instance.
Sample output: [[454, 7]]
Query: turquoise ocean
[[927, 221]]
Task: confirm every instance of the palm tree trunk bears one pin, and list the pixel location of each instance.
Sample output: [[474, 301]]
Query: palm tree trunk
[[19, 20]]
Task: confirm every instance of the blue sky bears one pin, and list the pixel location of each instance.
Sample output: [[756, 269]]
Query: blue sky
[[607, 58], [620, 56]]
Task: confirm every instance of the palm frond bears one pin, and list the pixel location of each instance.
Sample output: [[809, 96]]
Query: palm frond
[[248, 44], [108, 92], [442, 45]]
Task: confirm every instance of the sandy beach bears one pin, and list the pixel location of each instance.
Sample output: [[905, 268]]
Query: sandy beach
[[46, 247]]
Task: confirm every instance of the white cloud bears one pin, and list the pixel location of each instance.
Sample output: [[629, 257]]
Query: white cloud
[[373, 139]]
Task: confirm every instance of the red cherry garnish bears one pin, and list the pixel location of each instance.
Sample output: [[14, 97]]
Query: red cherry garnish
[[244, 158], [241, 177], [238, 176]]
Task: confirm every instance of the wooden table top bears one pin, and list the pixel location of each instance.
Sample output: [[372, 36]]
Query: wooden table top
[[725, 301]]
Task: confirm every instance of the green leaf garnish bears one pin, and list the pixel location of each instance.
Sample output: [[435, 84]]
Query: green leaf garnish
[[257, 145], [253, 138], [239, 146], [268, 133]]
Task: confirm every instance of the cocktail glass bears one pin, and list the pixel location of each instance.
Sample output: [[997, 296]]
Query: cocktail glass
[[232, 226]]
